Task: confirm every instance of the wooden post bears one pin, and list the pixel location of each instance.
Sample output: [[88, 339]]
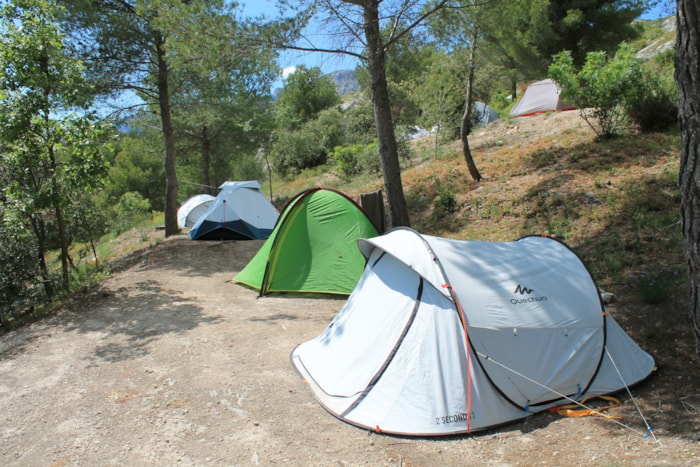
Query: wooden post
[[373, 204]]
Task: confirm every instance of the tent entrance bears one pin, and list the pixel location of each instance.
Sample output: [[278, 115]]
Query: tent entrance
[[556, 361]]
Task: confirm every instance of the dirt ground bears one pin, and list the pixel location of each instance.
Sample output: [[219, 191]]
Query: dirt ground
[[168, 362]]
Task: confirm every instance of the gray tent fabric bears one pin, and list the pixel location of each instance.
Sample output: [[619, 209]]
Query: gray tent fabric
[[483, 114], [192, 209], [541, 96], [239, 212], [445, 336]]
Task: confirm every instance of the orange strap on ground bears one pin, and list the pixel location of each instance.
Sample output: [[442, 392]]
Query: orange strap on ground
[[575, 410]]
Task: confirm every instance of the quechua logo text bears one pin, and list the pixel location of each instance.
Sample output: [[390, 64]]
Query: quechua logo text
[[523, 290], [526, 294]]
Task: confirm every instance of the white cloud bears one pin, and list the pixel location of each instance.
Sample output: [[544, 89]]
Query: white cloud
[[286, 71]]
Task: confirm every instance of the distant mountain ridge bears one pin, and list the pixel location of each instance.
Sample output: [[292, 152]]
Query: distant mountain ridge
[[345, 81]]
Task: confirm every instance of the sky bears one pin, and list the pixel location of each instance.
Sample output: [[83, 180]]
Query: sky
[[329, 63], [664, 9], [291, 59]]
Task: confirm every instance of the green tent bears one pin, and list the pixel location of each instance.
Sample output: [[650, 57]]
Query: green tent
[[313, 247]]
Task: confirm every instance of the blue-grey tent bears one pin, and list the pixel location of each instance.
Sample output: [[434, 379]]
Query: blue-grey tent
[[240, 212], [483, 114]]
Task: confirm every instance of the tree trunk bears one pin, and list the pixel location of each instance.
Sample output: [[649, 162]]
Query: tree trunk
[[58, 211], [388, 150], [465, 126], [206, 158], [171, 227], [688, 80], [40, 234]]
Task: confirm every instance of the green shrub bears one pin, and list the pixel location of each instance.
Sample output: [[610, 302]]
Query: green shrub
[[601, 88], [19, 266], [346, 159], [655, 106], [356, 159], [358, 122], [309, 146], [445, 200], [294, 151], [131, 210], [656, 288]]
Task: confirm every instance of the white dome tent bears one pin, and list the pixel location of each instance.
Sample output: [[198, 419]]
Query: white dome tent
[[192, 209], [445, 336]]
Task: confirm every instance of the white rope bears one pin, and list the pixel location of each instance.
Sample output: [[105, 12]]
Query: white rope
[[634, 401], [563, 396], [197, 184]]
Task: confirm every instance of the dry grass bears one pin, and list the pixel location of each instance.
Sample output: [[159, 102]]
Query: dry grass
[[615, 202]]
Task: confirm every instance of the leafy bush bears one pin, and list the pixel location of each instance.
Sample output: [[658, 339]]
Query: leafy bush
[[356, 159], [346, 159], [306, 93], [358, 122], [19, 266], [294, 151], [328, 129], [131, 210], [655, 107], [602, 88], [658, 287], [446, 201], [404, 148], [311, 145]]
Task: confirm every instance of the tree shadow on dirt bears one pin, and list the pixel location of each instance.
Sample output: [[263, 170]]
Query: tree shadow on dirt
[[131, 321], [193, 258], [275, 317]]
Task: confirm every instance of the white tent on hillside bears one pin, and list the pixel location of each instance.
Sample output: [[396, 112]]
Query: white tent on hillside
[[542, 96], [445, 336], [240, 212], [192, 209]]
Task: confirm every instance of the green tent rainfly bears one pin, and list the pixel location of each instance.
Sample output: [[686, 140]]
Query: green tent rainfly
[[313, 247]]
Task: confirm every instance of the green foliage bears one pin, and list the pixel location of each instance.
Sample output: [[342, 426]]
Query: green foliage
[[358, 122], [655, 106], [356, 159], [305, 94], [223, 113], [346, 159], [131, 210], [520, 37], [409, 57], [311, 144], [138, 166], [602, 88], [440, 94], [445, 200], [406, 61], [53, 148], [20, 270], [405, 109], [501, 102], [586, 27], [294, 151], [658, 287]]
